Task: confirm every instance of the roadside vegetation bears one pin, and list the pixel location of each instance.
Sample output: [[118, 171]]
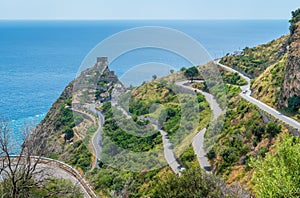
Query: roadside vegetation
[[278, 175], [75, 153], [267, 87], [254, 61], [232, 78], [244, 135], [24, 176], [178, 113]]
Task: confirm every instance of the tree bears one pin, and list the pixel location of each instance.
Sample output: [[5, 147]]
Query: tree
[[278, 175], [191, 73], [273, 129], [294, 103], [171, 71], [295, 18], [195, 183], [154, 76], [22, 175]]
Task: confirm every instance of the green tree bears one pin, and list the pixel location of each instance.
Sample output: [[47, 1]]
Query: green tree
[[191, 73], [278, 175], [154, 77], [273, 129], [294, 103], [193, 183], [295, 18], [182, 69]]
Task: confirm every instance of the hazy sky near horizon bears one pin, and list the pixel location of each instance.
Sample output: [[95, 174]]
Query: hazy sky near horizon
[[146, 9]]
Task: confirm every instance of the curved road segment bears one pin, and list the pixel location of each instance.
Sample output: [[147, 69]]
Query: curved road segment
[[168, 146], [97, 138], [61, 170], [246, 94], [198, 140]]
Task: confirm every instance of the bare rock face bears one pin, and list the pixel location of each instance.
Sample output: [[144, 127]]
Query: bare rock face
[[291, 85]]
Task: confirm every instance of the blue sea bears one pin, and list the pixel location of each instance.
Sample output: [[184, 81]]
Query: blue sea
[[39, 58]]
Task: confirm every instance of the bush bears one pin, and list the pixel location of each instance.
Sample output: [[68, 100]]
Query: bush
[[273, 129], [294, 104], [278, 174]]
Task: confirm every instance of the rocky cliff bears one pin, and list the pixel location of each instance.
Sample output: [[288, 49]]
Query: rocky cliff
[[291, 86], [65, 133]]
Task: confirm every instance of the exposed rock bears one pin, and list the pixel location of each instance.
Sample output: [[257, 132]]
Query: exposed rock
[[291, 85], [91, 86]]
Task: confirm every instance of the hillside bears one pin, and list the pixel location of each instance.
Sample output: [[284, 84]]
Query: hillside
[[254, 61], [275, 70], [59, 133], [290, 97], [242, 145], [267, 87], [66, 130]]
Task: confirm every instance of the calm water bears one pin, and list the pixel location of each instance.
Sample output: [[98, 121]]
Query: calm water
[[39, 58]]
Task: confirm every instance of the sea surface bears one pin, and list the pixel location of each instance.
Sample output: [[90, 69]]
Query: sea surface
[[39, 58]]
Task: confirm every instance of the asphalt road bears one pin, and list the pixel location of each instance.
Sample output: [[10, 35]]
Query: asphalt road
[[168, 146], [198, 140], [50, 168], [97, 138], [246, 94]]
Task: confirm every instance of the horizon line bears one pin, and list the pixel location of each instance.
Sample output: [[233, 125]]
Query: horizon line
[[216, 19]]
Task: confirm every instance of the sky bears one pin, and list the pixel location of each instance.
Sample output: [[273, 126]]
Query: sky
[[145, 9]]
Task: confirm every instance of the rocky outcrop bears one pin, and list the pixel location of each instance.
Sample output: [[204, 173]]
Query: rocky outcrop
[[56, 136], [291, 85]]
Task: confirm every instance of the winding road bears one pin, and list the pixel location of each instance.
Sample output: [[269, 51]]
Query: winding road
[[246, 94], [97, 138], [168, 146], [61, 170], [198, 140]]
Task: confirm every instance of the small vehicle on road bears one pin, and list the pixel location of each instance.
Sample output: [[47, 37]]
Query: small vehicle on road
[[181, 169], [245, 91]]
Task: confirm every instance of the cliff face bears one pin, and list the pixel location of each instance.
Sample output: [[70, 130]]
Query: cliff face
[[65, 132], [291, 85], [47, 132]]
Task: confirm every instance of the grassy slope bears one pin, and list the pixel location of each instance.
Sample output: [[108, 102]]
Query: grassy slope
[[244, 135], [267, 86], [255, 60], [267, 64], [108, 180]]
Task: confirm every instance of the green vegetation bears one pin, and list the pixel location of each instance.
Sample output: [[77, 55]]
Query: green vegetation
[[159, 101], [242, 130], [193, 183], [79, 156], [120, 183], [160, 182], [254, 61], [179, 114], [233, 78], [295, 19], [140, 145], [127, 139], [267, 87], [191, 73], [52, 188], [76, 154], [293, 104], [278, 174]]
